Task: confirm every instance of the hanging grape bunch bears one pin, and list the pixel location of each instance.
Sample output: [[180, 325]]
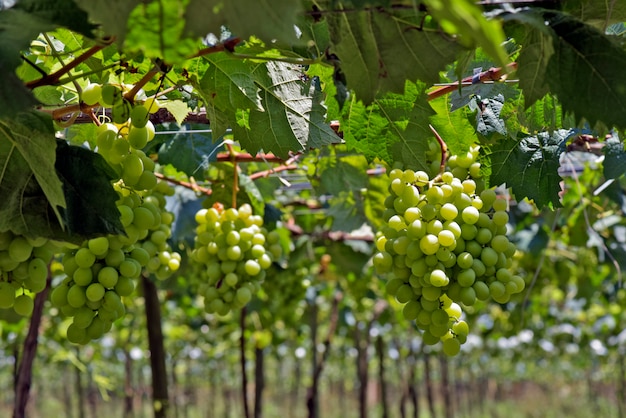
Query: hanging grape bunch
[[237, 252], [103, 270], [445, 246]]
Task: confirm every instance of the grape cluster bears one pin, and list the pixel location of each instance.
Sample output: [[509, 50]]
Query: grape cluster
[[103, 270], [237, 251], [445, 245], [23, 270]]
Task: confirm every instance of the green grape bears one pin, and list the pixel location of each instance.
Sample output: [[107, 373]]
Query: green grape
[[125, 286], [132, 168], [20, 249], [138, 136], [95, 292], [451, 347], [121, 112], [76, 296], [143, 218], [83, 317], [76, 335], [111, 95], [98, 246], [7, 295], [139, 117], [108, 277], [92, 94], [84, 258]]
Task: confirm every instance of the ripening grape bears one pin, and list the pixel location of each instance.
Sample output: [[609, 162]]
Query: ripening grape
[[445, 246]]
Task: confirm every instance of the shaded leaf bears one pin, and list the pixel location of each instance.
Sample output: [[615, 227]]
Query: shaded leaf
[[615, 158], [30, 137], [58, 12], [266, 19], [586, 71], [381, 51], [91, 210], [530, 166], [111, 14], [190, 152]]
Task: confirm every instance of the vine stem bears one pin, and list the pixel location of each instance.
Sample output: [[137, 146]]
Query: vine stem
[[492, 74], [189, 185], [444, 150], [242, 358], [53, 78]]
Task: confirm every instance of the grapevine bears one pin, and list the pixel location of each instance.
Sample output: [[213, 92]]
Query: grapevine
[[445, 246]]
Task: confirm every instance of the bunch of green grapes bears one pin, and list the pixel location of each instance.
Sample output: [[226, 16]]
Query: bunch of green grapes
[[445, 245], [103, 270], [237, 251], [23, 270]]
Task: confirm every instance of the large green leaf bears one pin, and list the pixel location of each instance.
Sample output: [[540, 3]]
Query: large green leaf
[[293, 117], [393, 128], [464, 19], [157, 30], [587, 68], [378, 50], [58, 12], [266, 19], [31, 136], [112, 15], [530, 166], [576, 62], [533, 60], [17, 29], [600, 13], [28, 187], [91, 210]]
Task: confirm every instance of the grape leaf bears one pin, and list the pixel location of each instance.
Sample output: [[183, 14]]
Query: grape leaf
[[453, 126], [533, 61], [17, 29], [392, 128], [91, 210], [28, 139], [229, 84], [488, 121], [530, 166], [156, 29], [266, 19], [178, 109], [463, 18], [587, 67], [370, 43], [58, 12], [184, 205], [600, 13], [190, 152], [615, 158], [111, 14], [293, 118]]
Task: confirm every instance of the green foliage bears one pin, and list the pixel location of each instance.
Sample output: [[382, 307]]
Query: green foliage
[[529, 166], [28, 182], [86, 179], [368, 44]]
